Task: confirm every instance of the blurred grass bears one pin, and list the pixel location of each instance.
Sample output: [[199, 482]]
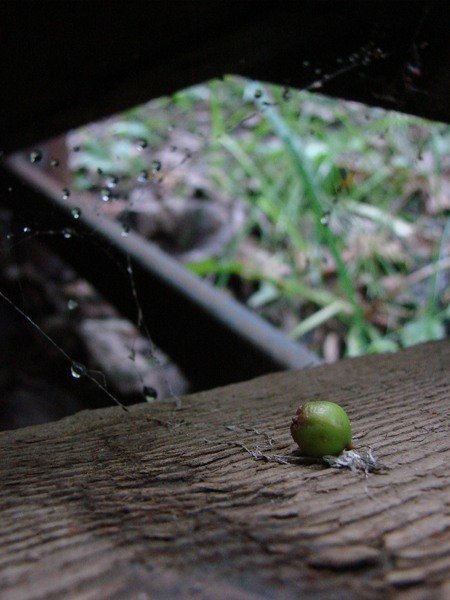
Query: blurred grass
[[352, 200]]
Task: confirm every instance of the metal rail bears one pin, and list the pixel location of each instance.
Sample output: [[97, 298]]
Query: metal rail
[[212, 337]]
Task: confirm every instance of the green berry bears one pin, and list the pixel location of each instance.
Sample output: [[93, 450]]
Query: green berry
[[320, 427]]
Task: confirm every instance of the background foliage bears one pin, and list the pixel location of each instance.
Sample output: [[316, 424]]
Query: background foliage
[[346, 238]]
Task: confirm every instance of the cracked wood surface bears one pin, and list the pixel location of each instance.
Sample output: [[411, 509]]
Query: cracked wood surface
[[169, 503]]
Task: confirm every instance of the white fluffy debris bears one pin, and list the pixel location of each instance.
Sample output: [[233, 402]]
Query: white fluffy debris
[[365, 462]]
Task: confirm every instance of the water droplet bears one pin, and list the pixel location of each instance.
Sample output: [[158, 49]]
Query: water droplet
[[317, 71], [76, 148], [72, 304], [125, 231], [149, 393], [142, 143], [105, 195], [325, 218], [54, 162], [26, 229], [306, 63], [286, 94], [77, 370], [76, 212], [377, 52], [413, 69], [258, 93], [143, 177], [35, 156], [10, 189], [111, 182], [67, 233], [9, 236], [65, 193], [156, 166]]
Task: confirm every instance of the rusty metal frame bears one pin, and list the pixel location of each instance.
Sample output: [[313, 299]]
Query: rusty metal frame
[[212, 337]]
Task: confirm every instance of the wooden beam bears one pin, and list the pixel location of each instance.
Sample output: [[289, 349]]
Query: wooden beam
[[171, 503], [66, 63]]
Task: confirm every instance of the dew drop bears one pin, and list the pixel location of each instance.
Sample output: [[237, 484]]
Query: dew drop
[[65, 193], [77, 370], [35, 156], [143, 177], [149, 393], [72, 304], [125, 231], [258, 93], [76, 212], [26, 229], [9, 236], [105, 195], [325, 218], [286, 94], [67, 233], [306, 63], [413, 69], [111, 182], [142, 143], [54, 162], [156, 166], [377, 52]]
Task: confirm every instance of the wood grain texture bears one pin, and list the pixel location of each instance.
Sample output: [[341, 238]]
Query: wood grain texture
[[169, 503]]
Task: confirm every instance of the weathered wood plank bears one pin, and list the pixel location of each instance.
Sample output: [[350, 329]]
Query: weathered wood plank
[[164, 502]]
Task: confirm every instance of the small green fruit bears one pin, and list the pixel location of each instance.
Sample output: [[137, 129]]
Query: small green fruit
[[321, 428]]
